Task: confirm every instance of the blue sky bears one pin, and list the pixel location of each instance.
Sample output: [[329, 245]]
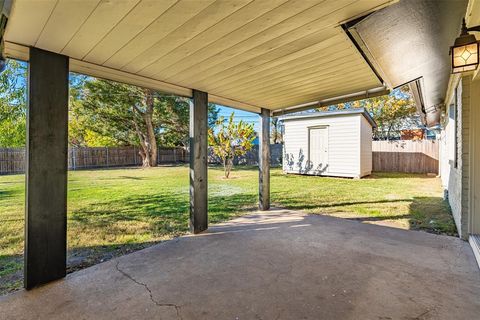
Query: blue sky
[[248, 117]]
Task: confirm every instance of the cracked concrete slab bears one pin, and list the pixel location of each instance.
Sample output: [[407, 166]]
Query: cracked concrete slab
[[276, 265]]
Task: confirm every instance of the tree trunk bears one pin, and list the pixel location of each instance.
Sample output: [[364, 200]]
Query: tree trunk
[[148, 117], [388, 132], [227, 165], [148, 141], [143, 151], [145, 159]]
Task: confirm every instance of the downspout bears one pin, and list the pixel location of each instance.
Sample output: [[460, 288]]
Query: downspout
[[416, 89]]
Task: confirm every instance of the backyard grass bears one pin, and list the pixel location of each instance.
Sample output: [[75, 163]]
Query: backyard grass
[[112, 212]]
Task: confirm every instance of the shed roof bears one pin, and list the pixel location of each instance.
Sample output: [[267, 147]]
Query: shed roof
[[247, 54], [335, 113]]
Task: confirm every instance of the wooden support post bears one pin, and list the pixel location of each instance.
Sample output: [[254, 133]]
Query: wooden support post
[[46, 178], [198, 162], [264, 161]]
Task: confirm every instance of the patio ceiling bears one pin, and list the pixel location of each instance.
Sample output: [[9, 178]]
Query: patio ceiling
[[423, 56], [246, 54]]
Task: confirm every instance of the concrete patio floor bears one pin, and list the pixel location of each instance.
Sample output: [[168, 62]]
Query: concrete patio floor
[[275, 265]]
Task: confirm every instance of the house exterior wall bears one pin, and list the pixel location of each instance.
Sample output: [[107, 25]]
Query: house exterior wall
[[474, 157], [456, 176], [447, 147], [343, 145], [366, 157]]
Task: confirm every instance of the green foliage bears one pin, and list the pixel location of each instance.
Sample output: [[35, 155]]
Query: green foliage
[[230, 139], [101, 112], [13, 105], [391, 112], [104, 113]]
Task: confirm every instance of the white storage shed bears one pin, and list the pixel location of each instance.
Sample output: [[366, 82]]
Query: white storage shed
[[331, 143]]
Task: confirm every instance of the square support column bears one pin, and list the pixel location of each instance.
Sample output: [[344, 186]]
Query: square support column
[[46, 177], [198, 162], [264, 161]]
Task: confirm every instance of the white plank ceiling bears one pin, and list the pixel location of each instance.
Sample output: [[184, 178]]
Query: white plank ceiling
[[248, 54]]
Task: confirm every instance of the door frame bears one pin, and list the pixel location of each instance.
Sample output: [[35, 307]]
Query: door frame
[[326, 127]]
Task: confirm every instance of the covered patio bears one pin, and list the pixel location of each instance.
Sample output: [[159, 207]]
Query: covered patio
[[268, 57], [271, 265]]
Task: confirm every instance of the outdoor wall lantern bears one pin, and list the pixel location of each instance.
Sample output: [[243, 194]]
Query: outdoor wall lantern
[[465, 50]]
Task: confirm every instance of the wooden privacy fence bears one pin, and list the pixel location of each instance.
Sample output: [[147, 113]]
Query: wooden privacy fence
[[102, 157], [409, 156], [12, 160], [251, 157]]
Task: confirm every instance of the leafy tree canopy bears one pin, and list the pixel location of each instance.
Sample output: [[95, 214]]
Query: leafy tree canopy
[[102, 113], [391, 112], [106, 112], [13, 104]]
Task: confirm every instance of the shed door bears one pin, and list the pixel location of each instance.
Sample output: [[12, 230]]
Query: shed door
[[318, 148]]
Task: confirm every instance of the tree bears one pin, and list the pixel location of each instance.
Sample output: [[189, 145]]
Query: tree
[[391, 112], [276, 132], [13, 105], [111, 113], [122, 112], [230, 139]]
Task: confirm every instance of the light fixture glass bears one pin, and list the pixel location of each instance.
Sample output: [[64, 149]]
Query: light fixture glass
[[465, 52]]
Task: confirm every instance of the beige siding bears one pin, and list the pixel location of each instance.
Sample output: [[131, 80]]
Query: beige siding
[[475, 156], [447, 147], [365, 147], [456, 179], [465, 155], [343, 145]]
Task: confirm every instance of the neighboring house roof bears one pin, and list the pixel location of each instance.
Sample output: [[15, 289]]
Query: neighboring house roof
[[335, 113]]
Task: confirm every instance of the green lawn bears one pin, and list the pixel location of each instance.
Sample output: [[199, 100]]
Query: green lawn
[[111, 212]]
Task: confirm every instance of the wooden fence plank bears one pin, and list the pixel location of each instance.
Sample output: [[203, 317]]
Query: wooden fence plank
[[408, 156], [12, 160]]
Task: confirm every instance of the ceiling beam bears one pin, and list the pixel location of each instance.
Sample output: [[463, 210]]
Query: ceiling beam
[[332, 101]]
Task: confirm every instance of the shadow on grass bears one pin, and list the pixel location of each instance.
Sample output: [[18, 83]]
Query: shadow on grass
[[376, 219], [166, 216], [298, 205], [166, 213], [11, 272], [4, 194], [430, 214]]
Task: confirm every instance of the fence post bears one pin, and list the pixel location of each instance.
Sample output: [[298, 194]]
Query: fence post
[[72, 154], [175, 155], [135, 155], [84, 159], [106, 148]]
